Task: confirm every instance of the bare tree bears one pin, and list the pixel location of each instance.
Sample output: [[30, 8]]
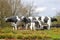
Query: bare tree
[[17, 7], [5, 10], [31, 9]]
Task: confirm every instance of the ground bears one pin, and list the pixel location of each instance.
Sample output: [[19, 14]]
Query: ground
[[52, 34]]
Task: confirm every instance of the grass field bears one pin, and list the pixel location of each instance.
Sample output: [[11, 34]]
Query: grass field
[[52, 34]]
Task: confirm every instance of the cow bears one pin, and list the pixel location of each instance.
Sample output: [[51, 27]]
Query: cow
[[35, 22], [26, 21], [13, 20], [47, 20], [32, 26]]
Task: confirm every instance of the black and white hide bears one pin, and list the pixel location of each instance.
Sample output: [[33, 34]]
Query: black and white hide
[[13, 20], [26, 21], [29, 21], [32, 23], [47, 20], [35, 22]]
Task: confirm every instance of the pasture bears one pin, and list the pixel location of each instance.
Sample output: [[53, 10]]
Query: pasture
[[8, 33]]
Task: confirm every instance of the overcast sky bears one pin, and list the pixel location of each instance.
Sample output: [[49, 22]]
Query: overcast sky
[[45, 7]]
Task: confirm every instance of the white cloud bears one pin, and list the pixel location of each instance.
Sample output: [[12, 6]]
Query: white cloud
[[40, 9]]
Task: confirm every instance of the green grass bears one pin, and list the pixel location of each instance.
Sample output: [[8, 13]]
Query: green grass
[[53, 33]]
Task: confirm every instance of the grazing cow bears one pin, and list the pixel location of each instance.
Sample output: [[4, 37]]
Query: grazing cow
[[40, 21], [47, 20], [14, 20]]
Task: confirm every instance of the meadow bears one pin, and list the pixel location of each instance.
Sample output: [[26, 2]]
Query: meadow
[[8, 33]]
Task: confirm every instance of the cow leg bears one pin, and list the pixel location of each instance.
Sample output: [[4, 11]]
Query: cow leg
[[26, 26], [48, 27], [15, 25], [49, 23], [31, 26], [13, 28], [41, 26]]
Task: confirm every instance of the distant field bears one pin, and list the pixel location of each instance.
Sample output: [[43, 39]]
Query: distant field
[[52, 34]]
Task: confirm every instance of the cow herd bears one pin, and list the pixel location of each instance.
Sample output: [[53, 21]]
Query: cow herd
[[32, 22]]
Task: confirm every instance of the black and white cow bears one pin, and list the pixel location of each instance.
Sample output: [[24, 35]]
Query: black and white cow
[[35, 22], [47, 20], [13, 20], [26, 21], [32, 26]]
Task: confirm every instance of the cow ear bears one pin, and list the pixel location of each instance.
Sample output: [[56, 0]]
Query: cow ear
[[53, 19]]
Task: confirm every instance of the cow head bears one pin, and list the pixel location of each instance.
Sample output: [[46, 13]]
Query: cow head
[[6, 19], [46, 19], [53, 19]]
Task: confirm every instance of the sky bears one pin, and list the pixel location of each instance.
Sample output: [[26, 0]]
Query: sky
[[45, 7]]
